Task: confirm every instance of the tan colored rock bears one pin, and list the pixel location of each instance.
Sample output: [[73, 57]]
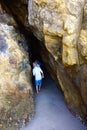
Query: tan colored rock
[[59, 23], [83, 43], [16, 94], [70, 54], [54, 46], [62, 26]]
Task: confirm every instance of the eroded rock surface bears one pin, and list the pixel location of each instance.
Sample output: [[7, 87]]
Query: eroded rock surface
[[16, 94], [61, 26]]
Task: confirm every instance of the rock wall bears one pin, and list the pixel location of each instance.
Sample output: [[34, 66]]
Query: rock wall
[[16, 94], [61, 26]]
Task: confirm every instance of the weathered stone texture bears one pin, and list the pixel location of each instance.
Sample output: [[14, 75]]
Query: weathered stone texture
[[16, 94], [55, 18], [61, 24]]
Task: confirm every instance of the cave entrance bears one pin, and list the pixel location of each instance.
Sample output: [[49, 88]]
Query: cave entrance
[[34, 49], [39, 52], [50, 105]]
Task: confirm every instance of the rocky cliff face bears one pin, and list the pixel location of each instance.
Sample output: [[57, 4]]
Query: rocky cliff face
[[61, 26], [16, 94]]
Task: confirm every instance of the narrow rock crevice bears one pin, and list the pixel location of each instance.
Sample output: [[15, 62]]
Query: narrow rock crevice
[[57, 45]]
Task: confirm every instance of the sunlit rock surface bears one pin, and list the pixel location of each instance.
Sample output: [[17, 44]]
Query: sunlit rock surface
[[58, 18], [61, 26], [16, 94]]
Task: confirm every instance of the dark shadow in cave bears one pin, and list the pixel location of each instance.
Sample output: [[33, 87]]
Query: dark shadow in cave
[[34, 49], [51, 110]]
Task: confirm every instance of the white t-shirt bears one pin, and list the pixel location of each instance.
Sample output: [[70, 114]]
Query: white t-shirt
[[37, 73]]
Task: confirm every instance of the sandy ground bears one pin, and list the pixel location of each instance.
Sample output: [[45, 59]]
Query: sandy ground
[[51, 112]]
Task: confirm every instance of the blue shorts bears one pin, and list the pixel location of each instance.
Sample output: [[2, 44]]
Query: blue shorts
[[38, 83]]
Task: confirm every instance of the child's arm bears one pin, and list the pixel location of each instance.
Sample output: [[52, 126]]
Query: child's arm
[[42, 74]]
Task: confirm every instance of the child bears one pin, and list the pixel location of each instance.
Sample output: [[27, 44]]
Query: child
[[38, 73]]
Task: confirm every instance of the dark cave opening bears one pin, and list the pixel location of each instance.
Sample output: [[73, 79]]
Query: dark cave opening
[[34, 48]]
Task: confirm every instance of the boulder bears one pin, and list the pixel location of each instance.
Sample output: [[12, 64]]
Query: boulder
[[16, 93]]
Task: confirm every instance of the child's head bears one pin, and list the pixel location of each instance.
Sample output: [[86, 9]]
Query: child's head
[[34, 64]]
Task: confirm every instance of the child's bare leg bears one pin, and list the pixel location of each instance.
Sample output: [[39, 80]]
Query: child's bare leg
[[37, 89]]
